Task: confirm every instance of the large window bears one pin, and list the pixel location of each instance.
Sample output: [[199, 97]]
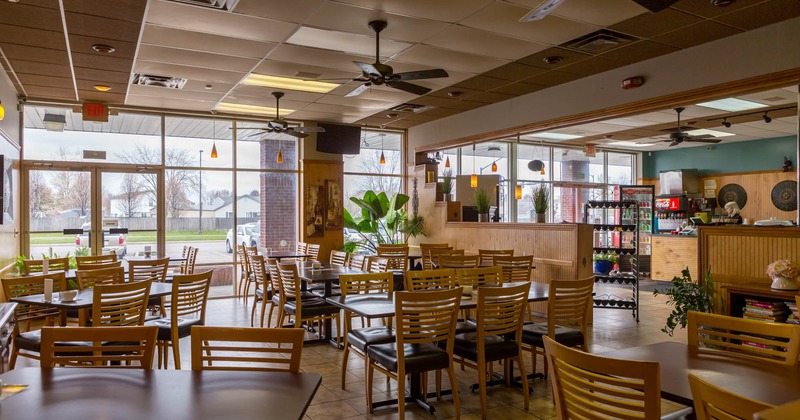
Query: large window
[[367, 171]]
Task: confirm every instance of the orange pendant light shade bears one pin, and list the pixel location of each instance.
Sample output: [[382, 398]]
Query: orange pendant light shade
[[280, 156], [447, 162], [473, 181], [494, 166], [383, 159], [214, 151], [518, 192]]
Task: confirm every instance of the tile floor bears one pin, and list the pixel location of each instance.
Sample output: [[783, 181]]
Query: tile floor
[[612, 329]]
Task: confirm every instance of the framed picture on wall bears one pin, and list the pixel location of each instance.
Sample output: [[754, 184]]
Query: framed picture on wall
[[7, 199], [334, 219], [315, 211]]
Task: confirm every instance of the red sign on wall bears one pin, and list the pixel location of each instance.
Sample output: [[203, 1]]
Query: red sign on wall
[[95, 112]]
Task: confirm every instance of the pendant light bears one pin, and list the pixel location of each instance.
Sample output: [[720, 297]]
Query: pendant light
[[2, 111], [518, 192], [494, 161], [473, 180], [383, 158], [447, 162], [280, 151], [214, 136]]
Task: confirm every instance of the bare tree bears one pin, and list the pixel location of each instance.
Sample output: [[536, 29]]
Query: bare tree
[[130, 195], [40, 195], [370, 164]]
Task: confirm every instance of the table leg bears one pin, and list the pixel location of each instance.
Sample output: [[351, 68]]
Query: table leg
[[415, 395]]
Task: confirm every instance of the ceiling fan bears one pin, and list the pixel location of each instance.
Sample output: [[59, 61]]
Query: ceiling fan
[[281, 126], [382, 74], [678, 136]]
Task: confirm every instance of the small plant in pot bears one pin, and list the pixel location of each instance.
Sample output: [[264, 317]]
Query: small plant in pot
[[604, 262], [481, 204], [687, 295], [541, 201], [447, 184]]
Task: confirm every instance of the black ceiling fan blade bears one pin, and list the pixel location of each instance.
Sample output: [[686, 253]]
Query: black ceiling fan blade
[[308, 129], [421, 74], [359, 90], [368, 69], [675, 143], [702, 140], [408, 87]]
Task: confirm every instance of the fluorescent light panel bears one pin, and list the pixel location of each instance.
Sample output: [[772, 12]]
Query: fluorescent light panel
[[714, 133], [289, 83], [251, 109], [732, 105], [628, 144], [345, 42], [555, 136]]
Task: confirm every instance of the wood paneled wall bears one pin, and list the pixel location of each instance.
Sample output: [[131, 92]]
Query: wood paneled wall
[[739, 255], [757, 185], [315, 172], [671, 254]]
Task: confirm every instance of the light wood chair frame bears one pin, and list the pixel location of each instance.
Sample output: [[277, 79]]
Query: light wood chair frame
[[424, 249], [120, 304], [28, 317], [260, 273], [313, 252], [480, 276], [396, 256], [36, 266], [357, 262], [421, 318], [755, 340], [95, 259], [88, 278], [291, 289], [435, 253], [154, 270], [338, 258], [458, 261], [220, 348], [189, 299], [515, 269], [589, 386], [713, 402], [418, 280], [244, 270], [487, 255], [100, 265], [249, 253], [130, 347]]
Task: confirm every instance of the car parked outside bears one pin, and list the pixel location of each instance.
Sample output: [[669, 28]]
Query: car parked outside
[[112, 242], [243, 233]]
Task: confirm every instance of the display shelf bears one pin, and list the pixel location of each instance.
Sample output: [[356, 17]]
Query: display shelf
[[617, 232]]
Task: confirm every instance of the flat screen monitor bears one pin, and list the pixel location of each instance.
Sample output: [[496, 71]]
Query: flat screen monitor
[[697, 221], [339, 139]]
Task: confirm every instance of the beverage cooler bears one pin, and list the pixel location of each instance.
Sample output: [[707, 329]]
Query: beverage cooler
[[644, 196], [672, 211]]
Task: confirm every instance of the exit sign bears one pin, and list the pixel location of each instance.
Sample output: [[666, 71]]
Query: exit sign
[[95, 112], [589, 151]]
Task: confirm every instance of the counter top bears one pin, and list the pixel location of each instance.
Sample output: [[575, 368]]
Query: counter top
[[673, 236]]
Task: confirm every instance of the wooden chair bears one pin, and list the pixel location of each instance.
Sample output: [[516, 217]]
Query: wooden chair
[[338, 258], [498, 336], [477, 277], [361, 338], [515, 268], [29, 318], [423, 319], [100, 265], [313, 252], [36, 266], [568, 306], [264, 290], [487, 255], [154, 270], [757, 340], [594, 387], [375, 264], [303, 309], [357, 262], [417, 280], [88, 278], [712, 402], [425, 248], [249, 253], [244, 271], [302, 249], [435, 253], [95, 259], [120, 304], [396, 256], [187, 309], [254, 349], [187, 267], [458, 261], [129, 347]]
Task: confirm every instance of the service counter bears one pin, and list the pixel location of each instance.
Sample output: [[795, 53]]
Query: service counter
[[670, 254]]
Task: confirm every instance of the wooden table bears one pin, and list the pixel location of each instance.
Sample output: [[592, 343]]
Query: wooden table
[[279, 255], [326, 275], [83, 301], [381, 305], [100, 393], [152, 257], [766, 382]]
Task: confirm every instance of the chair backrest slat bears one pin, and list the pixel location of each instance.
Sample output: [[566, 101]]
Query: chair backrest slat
[[26, 314], [255, 349], [155, 269], [396, 256], [425, 248], [88, 278], [338, 258], [352, 284], [712, 402], [569, 304], [357, 261], [95, 259], [476, 277], [189, 296], [37, 266], [487, 255], [458, 261], [417, 280], [313, 252], [426, 317], [501, 310], [515, 268], [129, 347], [120, 304]]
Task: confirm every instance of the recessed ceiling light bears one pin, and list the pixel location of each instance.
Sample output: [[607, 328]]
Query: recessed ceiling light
[[289, 83], [103, 48], [627, 144], [732, 104], [102, 88], [251, 109], [209, 87], [556, 136], [714, 133], [455, 93], [553, 59]]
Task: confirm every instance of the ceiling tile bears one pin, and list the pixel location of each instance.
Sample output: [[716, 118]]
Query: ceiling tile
[[491, 97], [346, 42], [482, 83], [33, 54], [464, 105], [83, 44], [639, 51], [605, 13], [196, 58], [45, 69], [168, 103], [442, 10], [266, 92], [591, 66], [316, 57], [192, 73], [128, 10], [40, 80], [696, 34], [25, 15], [199, 85], [514, 71], [32, 37], [442, 112], [189, 40], [95, 26], [767, 13], [567, 57], [107, 97], [458, 61], [50, 92], [198, 19], [503, 18], [652, 24], [290, 69], [288, 10], [465, 93], [552, 78], [102, 75], [708, 10], [476, 41], [106, 62], [88, 85], [520, 88], [207, 96], [429, 100]]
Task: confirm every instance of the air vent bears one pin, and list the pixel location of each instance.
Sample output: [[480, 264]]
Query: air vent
[[307, 75], [159, 81], [410, 108], [599, 41], [211, 4]]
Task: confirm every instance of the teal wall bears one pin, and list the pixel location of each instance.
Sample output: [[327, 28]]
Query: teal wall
[[742, 156]]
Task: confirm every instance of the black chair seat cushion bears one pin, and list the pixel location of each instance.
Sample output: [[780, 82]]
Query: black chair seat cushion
[[312, 308], [362, 338], [165, 327], [532, 334], [467, 326], [418, 357], [260, 292], [154, 301], [32, 341], [497, 347]]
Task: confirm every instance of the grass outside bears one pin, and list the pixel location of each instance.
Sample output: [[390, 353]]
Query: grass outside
[[133, 237]]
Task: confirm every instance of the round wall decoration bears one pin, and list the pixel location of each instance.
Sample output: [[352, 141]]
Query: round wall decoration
[[784, 195], [732, 192]]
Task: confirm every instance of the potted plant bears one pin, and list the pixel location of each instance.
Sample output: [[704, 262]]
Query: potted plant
[[383, 221], [541, 201], [687, 295], [604, 262], [447, 184], [481, 204]]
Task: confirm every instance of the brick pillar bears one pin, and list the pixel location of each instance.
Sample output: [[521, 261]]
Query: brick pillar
[[278, 195], [573, 170]]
